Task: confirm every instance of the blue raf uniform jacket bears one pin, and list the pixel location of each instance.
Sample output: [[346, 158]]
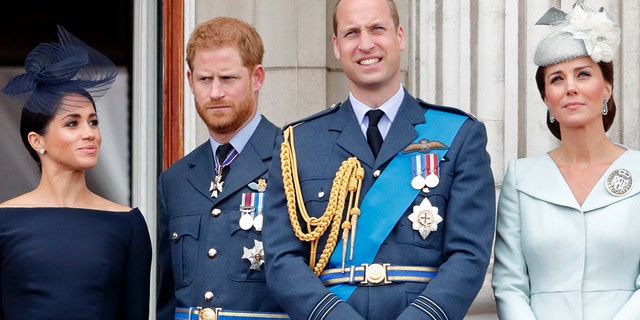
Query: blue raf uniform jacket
[[460, 248], [199, 252]]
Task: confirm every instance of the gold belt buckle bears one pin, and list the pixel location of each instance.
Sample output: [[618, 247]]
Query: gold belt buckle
[[208, 313], [375, 274]]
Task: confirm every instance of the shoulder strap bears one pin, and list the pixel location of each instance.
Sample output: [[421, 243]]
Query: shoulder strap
[[334, 107]]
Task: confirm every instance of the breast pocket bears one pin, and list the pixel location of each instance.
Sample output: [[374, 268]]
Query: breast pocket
[[245, 261], [184, 246], [407, 234], [316, 195]]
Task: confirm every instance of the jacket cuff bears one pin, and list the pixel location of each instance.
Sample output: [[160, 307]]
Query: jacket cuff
[[422, 307]]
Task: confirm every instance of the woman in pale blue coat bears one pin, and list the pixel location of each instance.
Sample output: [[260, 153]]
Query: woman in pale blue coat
[[568, 238]]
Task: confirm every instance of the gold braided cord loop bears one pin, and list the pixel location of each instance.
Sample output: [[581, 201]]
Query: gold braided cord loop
[[348, 181]]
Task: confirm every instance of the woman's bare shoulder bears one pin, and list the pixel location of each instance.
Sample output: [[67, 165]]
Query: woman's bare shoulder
[[23, 200], [33, 200], [108, 205]]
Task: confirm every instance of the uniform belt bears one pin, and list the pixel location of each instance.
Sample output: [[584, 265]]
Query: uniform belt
[[196, 313], [377, 274]]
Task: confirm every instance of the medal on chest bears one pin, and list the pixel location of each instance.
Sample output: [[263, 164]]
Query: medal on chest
[[251, 205], [221, 168], [424, 168], [425, 218], [255, 255], [216, 186]]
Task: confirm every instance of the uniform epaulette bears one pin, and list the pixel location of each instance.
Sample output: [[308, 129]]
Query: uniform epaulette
[[319, 114], [447, 109]]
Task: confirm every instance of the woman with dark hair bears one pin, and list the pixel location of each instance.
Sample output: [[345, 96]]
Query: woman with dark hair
[[567, 244], [66, 252]]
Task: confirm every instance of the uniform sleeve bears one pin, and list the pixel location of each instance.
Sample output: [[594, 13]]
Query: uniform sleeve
[[510, 278], [134, 298], [469, 231], [293, 284], [166, 301]]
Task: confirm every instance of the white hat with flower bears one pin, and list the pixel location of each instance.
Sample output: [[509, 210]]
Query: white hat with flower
[[581, 33]]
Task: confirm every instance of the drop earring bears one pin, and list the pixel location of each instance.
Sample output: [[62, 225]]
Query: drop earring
[[605, 106], [551, 118]]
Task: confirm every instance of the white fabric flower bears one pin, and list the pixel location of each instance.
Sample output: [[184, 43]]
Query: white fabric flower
[[600, 35]]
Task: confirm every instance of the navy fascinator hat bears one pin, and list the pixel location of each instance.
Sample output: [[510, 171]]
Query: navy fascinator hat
[[53, 70]]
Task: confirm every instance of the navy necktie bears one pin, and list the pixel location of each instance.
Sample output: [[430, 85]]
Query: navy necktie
[[374, 137], [222, 161]]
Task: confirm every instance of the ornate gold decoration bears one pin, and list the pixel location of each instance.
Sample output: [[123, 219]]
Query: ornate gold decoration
[[348, 181]]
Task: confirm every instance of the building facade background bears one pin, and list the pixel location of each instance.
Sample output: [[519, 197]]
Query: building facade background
[[474, 55]]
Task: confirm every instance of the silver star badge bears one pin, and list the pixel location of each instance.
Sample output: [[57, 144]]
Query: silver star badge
[[255, 255], [425, 218]]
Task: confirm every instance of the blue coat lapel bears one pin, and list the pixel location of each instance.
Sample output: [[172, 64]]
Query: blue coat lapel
[[249, 165], [200, 169], [401, 133], [350, 138]]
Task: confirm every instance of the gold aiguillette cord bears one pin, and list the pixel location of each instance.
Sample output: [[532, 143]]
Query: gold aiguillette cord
[[348, 181]]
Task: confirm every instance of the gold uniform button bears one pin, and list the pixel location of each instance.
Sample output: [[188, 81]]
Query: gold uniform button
[[208, 296], [207, 314], [212, 253]]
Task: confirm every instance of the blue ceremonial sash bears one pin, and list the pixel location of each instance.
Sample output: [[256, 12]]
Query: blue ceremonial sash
[[373, 228]]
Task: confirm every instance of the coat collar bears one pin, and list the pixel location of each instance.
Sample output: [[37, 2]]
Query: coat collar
[[542, 179], [401, 133], [250, 164]]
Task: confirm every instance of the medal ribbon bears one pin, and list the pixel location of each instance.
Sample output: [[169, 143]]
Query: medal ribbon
[[253, 200], [432, 164], [246, 200], [374, 227], [260, 196], [417, 165], [227, 161]]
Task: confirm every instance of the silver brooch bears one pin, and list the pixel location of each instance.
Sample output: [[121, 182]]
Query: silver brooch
[[619, 182]]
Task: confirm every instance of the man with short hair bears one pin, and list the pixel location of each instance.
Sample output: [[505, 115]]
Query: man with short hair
[[210, 251], [382, 207]]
